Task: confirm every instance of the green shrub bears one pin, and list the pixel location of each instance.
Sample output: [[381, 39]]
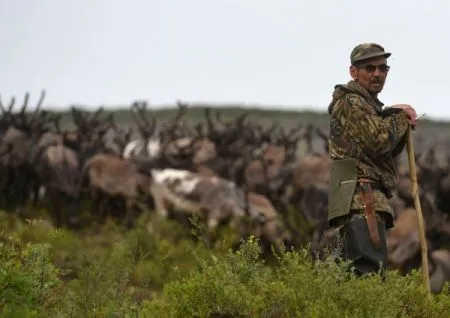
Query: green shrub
[[241, 284], [163, 269], [29, 282]]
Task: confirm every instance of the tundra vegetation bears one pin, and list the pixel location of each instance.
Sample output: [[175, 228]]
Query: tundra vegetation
[[199, 211]]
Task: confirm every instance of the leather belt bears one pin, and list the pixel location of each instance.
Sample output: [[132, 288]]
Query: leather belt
[[369, 210]]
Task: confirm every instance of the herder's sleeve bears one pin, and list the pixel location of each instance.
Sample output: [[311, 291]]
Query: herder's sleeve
[[374, 134]]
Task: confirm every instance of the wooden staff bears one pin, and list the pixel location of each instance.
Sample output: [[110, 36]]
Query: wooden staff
[[415, 194]]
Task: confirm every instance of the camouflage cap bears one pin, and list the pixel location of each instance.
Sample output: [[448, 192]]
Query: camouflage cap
[[367, 50]]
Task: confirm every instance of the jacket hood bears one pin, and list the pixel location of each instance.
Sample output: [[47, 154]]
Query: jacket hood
[[353, 87]]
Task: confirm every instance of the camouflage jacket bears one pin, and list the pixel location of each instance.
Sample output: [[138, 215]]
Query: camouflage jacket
[[362, 130]]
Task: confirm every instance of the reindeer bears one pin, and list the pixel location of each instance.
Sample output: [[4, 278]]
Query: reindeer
[[109, 177], [151, 136], [439, 261], [265, 222], [212, 198], [57, 168], [217, 201], [149, 142], [89, 136], [20, 132]]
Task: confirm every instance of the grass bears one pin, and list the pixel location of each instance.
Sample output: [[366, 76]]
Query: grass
[[164, 270]]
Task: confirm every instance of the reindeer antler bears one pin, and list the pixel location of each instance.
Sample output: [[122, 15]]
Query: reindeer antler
[[25, 103], [1, 106], [38, 107], [144, 126]]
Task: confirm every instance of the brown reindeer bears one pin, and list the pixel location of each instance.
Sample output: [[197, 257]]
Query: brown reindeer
[[19, 132], [265, 222], [58, 170], [110, 177], [439, 269]]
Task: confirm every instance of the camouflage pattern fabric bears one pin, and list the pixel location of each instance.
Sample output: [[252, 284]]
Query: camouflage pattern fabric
[[367, 50], [362, 130]]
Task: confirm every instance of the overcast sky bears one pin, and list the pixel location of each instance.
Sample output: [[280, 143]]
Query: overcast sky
[[286, 53]]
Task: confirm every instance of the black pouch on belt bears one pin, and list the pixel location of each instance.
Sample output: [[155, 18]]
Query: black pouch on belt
[[358, 246]]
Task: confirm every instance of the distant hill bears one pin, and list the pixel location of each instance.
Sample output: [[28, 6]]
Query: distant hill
[[262, 114], [429, 133], [195, 114]]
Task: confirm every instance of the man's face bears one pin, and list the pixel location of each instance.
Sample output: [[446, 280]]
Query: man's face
[[371, 74]]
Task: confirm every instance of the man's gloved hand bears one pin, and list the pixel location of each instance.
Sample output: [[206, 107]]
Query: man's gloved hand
[[410, 112]]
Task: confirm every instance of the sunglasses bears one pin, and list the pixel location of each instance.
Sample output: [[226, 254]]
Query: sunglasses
[[371, 68]]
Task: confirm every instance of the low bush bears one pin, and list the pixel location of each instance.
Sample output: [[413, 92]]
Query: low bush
[[164, 270], [239, 283]]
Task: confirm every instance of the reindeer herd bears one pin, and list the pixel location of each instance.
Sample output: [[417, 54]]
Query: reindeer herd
[[234, 173]]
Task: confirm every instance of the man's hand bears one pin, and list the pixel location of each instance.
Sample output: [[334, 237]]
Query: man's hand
[[410, 112]]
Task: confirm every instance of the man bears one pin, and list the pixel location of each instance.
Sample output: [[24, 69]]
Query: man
[[364, 140]]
